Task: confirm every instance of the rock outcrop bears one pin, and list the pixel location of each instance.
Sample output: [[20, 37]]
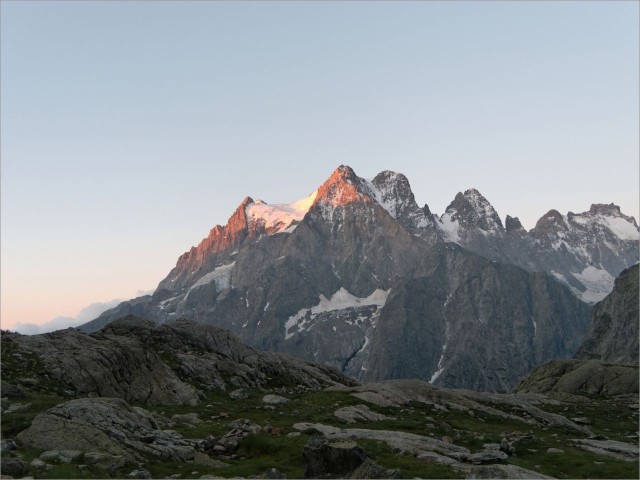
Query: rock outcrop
[[341, 459], [580, 377], [104, 425], [613, 333], [403, 392], [143, 362]]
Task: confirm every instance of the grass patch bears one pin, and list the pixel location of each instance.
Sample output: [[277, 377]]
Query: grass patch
[[573, 463], [410, 467], [13, 423]]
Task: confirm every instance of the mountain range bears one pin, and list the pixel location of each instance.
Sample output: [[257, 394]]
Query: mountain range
[[359, 277]]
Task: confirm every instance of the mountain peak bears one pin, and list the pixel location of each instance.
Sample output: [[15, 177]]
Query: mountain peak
[[471, 208], [393, 192], [553, 219], [343, 187], [611, 210]]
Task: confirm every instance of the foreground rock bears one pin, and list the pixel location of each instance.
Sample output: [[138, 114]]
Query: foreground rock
[[130, 360], [341, 459], [340, 442], [507, 406], [609, 448], [359, 413], [106, 366], [105, 425], [580, 377]]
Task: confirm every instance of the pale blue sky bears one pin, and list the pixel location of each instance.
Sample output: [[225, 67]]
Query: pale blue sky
[[129, 129]]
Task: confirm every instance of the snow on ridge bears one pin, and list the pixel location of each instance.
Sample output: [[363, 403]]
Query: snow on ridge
[[340, 300], [279, 216], [621, 228]]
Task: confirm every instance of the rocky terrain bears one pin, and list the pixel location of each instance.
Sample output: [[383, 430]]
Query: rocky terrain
[[359, 277], [221, 409], [143, 362]]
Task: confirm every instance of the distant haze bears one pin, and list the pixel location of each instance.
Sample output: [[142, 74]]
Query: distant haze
[[129, 129]]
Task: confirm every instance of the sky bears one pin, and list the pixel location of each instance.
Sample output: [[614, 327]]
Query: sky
[[129, 129]]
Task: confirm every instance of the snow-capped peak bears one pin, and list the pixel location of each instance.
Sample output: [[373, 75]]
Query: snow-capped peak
[[470, 210], [484, 210], [393, 192], [278, 217]]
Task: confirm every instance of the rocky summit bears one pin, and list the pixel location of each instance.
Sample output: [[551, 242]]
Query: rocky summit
[[358, 276], [186, 400]]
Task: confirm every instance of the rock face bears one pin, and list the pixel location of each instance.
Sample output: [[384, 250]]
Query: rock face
[[580, 377], [481, 332], [106, 365], [613, 333], [106, 425], [130, 359], [359, 277], [607, 361]]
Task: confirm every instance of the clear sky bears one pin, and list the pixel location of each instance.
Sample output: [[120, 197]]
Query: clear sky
[[129, 129]]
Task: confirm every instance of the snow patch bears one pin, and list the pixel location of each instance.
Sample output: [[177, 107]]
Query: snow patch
[[621, 228], [340, 300], [266, 307], [450, 228], [598, 282], [163, 304], [220, 275], [440, 367]]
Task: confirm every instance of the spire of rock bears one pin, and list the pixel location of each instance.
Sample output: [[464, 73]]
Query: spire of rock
[[513, 225]]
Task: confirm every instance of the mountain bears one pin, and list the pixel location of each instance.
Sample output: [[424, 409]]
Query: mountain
[[585, 251], [359, 277], [607, 361]]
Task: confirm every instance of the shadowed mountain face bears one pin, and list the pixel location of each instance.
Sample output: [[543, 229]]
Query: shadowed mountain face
[[607, 361], [613, 333], [358, 276]]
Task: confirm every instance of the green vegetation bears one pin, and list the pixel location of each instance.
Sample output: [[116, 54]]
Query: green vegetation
[[611, 417], [410, 466]]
